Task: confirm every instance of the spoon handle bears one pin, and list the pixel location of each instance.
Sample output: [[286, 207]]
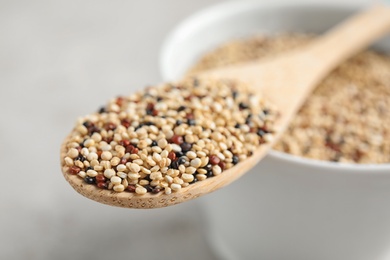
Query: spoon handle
[[350, 37]]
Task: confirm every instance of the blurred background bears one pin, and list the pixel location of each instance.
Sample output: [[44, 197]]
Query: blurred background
[[60, 60]]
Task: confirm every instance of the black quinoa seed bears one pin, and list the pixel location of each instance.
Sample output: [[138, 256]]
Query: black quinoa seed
[[87, 124], [181, 108], [248, 119], [80, 158], [208, 167], [195, 180], [191, 122], [148, 178], [181, 160], [179, 122], [148, 188], [185, 147], [261, 132], [235, 159], [237, 125], [149, 112], [179, 154], [154, 143], [174, 165], [242, 105], [234, 94], [138, 127], [102, 110], [90, 180], [209, 174], [196, 82]]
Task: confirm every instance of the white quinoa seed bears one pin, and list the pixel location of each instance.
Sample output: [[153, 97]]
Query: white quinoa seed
[[121, 175], [182, 168], [115, 161], [125, 182], [82, 174], [156, 149], [108, 173], [201, 177], [167, 190], [133, 176], [143, 182], [178, 180], [85, 151], [105, 164], [106, 147], [144, 170], [156, 176], [164, 154], [82, 129], [89, 143], [201, 171], [134, 168], [92, 173], [187, 177], [106, 155], [68, 161], [121, 168], [175, 187], [168, 179], [98, 168], [190, 170], [162, 143], [73, 153], [176, 148], [116, 180], [138, 161], [191, 155], [216, 170], [140, 190], [155, 168], [268, 138], [79, 164], [196, 162], [119, 188], [156, 157]]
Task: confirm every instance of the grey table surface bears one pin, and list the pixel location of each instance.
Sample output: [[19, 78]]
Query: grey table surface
[[60, 60]]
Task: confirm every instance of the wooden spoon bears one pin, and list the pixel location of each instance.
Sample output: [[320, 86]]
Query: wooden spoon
[[286, 81]]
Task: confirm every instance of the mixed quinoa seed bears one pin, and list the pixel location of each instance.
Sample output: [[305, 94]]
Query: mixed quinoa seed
[[347, 117], [165, 138]]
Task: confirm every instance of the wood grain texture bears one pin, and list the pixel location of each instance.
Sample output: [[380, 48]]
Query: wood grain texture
[[286, 81], [149, 201]]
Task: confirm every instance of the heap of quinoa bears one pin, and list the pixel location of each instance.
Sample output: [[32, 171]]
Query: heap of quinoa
[[347, 117], [165, 138]]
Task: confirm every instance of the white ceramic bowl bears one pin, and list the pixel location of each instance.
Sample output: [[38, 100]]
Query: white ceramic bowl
[[287, 207]]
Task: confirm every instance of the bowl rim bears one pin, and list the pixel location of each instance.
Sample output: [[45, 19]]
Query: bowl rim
[[225, 9]]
